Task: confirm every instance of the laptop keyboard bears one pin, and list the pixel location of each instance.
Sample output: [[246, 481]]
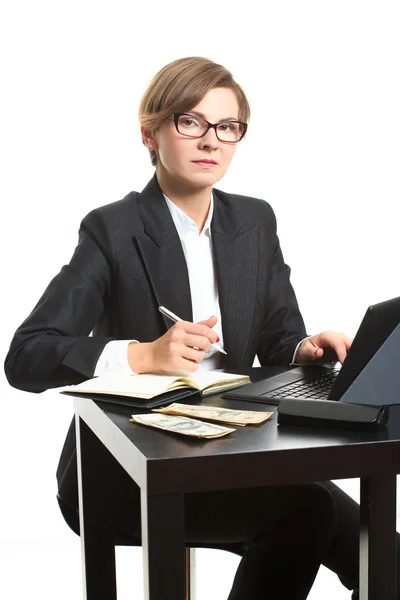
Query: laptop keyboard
[[318, 389]]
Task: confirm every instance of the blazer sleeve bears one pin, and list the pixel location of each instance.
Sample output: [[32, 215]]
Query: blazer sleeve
[[52, 347], [283, 326]]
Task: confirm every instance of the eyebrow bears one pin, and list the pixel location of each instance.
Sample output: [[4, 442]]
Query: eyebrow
[[200, 114]]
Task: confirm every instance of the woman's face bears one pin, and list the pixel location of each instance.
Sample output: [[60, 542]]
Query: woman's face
[[197, 162]]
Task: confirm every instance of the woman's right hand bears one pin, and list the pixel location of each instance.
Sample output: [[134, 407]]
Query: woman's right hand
[[182, 347]]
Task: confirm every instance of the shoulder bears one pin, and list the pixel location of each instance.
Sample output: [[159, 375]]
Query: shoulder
[[247, 207], [116, 218], [115, 211]]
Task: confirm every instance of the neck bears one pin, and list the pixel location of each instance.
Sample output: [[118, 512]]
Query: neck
[[193, 201]]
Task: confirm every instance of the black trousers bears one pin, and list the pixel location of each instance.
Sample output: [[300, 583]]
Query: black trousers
[[282, 533]]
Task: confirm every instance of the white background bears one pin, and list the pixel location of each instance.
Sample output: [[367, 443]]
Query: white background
[[323, 148]]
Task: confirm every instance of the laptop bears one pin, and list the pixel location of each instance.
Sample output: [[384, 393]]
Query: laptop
[[328, 382]]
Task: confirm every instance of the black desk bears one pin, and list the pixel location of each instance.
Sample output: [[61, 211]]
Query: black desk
[[165, 466]]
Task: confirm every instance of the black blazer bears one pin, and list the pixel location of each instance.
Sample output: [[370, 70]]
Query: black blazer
[[128, 261]]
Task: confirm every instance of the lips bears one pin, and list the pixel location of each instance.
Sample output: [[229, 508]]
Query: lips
[[205, 161]]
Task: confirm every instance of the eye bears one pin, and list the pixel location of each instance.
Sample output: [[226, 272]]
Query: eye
[[228, 127], [188, 122]]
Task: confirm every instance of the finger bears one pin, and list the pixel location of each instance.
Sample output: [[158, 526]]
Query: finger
[[348, 342], [317, 353], [183, 335], [201, 330], [341, 351], [197, 341], [187, 365], [340, 345], [333, 353], [210, 322], [177, 356], [192, 354], [311, 351]]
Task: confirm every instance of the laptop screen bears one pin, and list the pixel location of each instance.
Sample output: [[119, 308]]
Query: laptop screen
[[378, 323]]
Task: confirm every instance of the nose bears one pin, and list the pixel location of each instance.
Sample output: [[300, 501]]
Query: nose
[[209, 140]]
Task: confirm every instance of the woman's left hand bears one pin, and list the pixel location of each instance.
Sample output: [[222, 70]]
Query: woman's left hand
[[328, 346]]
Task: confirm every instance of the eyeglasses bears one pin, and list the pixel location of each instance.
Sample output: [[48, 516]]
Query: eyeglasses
[[193, 126]]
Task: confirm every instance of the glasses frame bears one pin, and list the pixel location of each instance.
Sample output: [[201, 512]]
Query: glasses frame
[[214, 126]]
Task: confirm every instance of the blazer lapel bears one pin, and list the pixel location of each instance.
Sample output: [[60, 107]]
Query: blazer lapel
[[162, 254], [235, 244]]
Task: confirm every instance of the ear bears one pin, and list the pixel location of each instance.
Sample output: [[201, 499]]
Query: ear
[[148, 139]]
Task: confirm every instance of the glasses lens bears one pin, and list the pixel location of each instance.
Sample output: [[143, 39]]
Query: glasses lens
[[230, 131], [194, 126], [191, 126]]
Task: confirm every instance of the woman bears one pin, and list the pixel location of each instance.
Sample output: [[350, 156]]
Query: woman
[[212, 258]]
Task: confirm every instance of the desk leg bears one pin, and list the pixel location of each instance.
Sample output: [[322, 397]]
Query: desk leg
[[97, 541], [378, 538], [163, 546], [191, 584]]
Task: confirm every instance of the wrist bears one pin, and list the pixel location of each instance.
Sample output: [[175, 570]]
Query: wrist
[[139, 357], [300, 356]]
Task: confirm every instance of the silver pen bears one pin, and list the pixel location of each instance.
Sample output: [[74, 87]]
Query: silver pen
[[175, 319]]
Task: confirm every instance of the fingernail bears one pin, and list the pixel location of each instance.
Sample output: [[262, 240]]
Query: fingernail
[[218, 338]]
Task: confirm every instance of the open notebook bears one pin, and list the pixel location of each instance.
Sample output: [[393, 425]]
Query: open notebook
[[147, 390]]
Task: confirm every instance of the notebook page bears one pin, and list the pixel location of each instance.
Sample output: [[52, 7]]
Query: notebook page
[[142, 386], [203, 379]]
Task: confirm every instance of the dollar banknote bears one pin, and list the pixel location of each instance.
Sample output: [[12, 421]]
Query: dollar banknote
[[182, 425], [216, 413]]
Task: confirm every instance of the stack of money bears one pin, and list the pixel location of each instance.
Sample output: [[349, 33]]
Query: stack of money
[[182, 425], [177, 418], [216, 413]]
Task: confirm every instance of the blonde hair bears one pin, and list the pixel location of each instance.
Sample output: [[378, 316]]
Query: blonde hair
[[180, 86]]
